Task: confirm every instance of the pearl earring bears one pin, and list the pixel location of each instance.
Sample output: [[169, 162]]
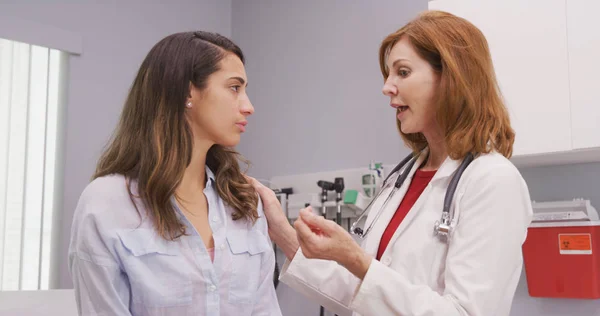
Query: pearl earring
[[189, 104]]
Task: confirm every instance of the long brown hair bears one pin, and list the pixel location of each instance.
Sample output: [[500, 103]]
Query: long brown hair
[[469, 105], [153, 140]]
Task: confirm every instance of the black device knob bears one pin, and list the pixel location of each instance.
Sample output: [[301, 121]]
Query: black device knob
[[326, 185], [339, 185]]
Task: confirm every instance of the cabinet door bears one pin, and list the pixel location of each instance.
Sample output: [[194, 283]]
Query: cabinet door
[[528, 43], [583, 29]]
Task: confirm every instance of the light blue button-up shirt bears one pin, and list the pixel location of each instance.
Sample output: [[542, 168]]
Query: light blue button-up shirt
[[121, 266]]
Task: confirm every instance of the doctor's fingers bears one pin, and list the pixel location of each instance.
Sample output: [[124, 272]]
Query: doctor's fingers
[[315, 244], [268, 197], [318, 222], [308, 251], [309, 248], [305, 234], [302, 230], [265, 193]]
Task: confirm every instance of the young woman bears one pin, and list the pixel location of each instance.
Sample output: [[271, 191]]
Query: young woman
[[169, 225]]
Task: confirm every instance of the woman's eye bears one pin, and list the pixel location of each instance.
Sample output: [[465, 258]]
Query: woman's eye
[[403, 73], [235, 88]]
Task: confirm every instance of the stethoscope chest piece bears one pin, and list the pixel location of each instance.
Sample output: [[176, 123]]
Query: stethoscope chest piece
[[443, 229]]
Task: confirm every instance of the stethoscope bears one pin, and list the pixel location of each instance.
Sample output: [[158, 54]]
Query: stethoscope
[[441, 228]]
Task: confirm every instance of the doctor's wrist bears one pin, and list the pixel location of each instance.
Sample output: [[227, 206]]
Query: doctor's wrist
[[358, 263]]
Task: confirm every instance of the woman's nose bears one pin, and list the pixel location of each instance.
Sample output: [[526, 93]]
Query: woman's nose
[[247, 108]]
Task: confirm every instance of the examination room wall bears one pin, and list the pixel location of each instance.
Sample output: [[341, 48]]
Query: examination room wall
[[315, 83], [316, 86], [116, 37]]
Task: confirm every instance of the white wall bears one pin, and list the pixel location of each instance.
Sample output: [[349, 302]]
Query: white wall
[[116, 37], [315, 84]]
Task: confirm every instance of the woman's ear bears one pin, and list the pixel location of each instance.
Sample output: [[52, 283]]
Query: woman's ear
[[188, 102]]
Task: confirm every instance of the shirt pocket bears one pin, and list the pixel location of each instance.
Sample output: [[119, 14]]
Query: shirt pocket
[[154, 268], [248, 248]]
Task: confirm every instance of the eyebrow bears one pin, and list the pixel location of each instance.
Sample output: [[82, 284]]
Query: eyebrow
[[397, 61], [240, 80]]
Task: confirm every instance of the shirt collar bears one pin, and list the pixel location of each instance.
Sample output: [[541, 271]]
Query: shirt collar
[[210, 179], [210, 176]]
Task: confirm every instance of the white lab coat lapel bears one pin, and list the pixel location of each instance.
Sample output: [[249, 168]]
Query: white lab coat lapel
[[371, 244], [441, 177]]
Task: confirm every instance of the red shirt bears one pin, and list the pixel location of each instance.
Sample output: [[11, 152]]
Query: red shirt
[[419, 182]]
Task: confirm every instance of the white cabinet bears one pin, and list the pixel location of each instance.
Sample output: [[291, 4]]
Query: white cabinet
[[528, 44], [583, 29]]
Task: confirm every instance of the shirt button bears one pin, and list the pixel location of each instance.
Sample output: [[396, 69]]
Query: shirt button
[[222, 246], [215, 219], [387, 261], [212, 288]]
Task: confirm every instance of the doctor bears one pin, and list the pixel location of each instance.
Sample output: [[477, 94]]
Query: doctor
[[440, 80]]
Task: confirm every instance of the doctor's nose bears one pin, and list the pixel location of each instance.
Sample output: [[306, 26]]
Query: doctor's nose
[[389, 89]]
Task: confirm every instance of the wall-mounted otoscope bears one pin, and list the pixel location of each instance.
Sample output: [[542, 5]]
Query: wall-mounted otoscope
[[325, 186], [339, 188]]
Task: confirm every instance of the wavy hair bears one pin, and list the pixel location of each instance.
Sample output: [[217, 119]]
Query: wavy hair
[[153, 141]]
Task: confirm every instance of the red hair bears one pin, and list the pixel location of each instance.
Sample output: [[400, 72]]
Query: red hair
[[469, 105]]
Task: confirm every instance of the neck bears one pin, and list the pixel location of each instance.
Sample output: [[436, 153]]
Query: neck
[[194, 177], [437, 153]]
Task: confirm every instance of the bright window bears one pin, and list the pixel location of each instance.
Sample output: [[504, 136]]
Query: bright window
[[31, 83]]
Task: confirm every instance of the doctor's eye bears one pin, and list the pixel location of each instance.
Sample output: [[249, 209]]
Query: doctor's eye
[[403, 72], [235, 88]]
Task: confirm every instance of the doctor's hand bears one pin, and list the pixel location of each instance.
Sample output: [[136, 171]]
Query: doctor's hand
[[271, 206], [324, 239], [280, 230]]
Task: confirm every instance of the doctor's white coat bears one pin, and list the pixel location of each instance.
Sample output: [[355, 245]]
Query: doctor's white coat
[[475, 274]]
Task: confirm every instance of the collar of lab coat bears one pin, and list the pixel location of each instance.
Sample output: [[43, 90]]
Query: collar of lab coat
[[446, 170]]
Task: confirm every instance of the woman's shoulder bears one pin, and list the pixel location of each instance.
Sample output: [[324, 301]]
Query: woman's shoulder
[[106, 189], [103, 212], [107, 198]]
